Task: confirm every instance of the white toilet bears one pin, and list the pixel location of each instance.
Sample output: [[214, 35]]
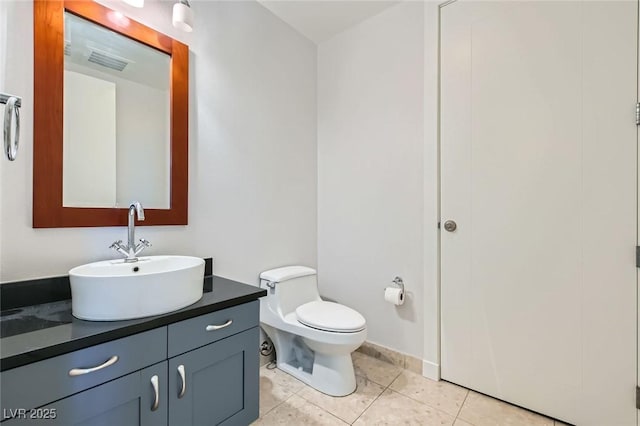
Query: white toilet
[[313, 338]]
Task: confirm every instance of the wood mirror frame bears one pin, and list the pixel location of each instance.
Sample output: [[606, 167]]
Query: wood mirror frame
[[48, 211]]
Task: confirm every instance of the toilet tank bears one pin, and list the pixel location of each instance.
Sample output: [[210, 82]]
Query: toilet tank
[[291, 286]]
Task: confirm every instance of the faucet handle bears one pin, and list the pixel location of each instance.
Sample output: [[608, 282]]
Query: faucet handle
[[141, 246], [116, 245]]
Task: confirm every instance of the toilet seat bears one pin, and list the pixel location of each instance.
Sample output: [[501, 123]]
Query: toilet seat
[[330, 316]]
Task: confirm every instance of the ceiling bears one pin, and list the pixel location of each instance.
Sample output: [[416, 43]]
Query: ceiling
[[319, 20]]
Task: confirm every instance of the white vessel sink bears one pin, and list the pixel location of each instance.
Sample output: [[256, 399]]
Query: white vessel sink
[[113, 290]]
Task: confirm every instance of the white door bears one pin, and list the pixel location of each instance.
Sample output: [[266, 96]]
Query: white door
[[538, 170]]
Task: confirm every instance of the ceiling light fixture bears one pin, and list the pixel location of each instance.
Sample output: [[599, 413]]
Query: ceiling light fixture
[[135, 3], [183, 16]]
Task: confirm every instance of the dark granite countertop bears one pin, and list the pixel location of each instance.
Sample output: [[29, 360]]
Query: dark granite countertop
[[34, 333]]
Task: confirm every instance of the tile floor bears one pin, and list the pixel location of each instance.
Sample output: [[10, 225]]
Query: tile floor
[[386, 395]]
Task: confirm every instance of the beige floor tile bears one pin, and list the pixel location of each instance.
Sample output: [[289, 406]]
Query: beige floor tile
[[442, 395], [393, 408], [349, 407], [275, 387], [297, 411], [375, 370], [460, 422], [481, 410]]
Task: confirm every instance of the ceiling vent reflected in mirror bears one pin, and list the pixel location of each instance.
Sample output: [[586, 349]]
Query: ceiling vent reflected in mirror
[[91, 49], [107, 60]]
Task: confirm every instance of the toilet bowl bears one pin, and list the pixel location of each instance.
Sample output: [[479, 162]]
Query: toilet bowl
[[313, 338]]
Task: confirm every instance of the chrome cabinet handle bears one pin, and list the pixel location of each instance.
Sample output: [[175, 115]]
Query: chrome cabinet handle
[[80, 371], [184, 381], [156, 392], [218, 327]]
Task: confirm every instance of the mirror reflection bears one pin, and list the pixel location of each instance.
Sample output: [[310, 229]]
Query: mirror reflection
[[116, 119]]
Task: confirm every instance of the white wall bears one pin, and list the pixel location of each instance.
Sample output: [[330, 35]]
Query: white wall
[[252, 148], [370, 171], [89, 141], [256, 123]]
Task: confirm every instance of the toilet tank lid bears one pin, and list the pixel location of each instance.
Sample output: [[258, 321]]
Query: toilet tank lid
[[286, 273]]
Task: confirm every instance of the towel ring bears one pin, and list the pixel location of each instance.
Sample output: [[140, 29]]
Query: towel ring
[[11, 139]]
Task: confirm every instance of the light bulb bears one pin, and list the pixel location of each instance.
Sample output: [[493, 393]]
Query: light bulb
[[183, 16]]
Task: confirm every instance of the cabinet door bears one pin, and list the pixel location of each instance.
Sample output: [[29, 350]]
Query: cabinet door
[[154, 395], [126, 401], [220, 384]]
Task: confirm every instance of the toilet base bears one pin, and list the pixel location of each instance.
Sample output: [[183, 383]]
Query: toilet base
[[325, 367], [332, 375]]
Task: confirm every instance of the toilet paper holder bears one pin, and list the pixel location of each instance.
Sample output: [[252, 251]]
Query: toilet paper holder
[[398, 282]]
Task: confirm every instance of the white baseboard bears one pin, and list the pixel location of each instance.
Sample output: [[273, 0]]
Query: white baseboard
[[431, 370]]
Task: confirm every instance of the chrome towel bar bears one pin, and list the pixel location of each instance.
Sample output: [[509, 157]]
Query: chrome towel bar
[[11, 113], [4, 97]]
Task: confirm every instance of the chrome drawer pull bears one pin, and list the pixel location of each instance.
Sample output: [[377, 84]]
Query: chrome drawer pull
[[184, 381], [156, 391], [218, 327], [81, 371]]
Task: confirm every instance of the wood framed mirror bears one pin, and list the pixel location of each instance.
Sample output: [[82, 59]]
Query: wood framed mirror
[[79, 150]]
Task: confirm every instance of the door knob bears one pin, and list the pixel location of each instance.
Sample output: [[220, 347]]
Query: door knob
[[450, 226]]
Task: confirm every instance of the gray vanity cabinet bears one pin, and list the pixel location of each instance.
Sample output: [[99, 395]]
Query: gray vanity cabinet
[[206, 369], [216, 384], [128, 401]]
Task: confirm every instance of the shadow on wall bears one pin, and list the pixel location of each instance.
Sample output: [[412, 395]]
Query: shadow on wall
[[405, 311]]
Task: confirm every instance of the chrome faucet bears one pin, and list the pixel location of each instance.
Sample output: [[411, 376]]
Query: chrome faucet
[[131, 250]]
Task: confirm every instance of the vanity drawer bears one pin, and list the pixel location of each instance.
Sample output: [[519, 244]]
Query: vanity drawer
[[51, 379], [195, 332]]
